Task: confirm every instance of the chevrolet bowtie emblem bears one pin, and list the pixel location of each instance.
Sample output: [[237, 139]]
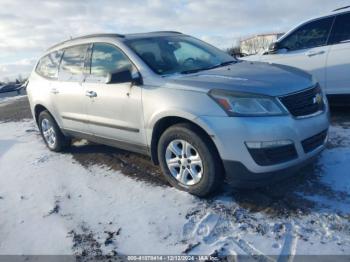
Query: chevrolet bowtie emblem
[[317, 99]]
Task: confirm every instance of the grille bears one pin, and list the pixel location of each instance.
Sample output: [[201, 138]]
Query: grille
[[314, 142], [304, 103], [273, 155]]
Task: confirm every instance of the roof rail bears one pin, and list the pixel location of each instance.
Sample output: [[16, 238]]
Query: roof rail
[[106, 35], [101, 35], [87, 36], [171, 32], [341, 8]]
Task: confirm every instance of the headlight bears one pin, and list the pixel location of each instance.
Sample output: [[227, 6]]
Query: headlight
[[242, 104]]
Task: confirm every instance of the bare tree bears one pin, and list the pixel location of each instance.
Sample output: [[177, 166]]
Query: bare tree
[[234, 50]]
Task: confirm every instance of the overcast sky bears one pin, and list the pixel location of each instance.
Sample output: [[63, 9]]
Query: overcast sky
[[29, 27]]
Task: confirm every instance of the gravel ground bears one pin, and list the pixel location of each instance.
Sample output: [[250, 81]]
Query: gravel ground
[[16, 111]]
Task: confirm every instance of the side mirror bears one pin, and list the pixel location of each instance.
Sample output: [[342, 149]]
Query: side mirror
[[274, 47], [123, 75]]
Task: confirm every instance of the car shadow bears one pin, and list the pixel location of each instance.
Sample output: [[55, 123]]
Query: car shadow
[[293, 195], [133, 165]]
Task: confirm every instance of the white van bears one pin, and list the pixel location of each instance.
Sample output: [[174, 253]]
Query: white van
[[320, 46]]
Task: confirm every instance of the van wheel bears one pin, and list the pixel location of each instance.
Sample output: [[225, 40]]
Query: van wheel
[[51, 133], [189, 160]]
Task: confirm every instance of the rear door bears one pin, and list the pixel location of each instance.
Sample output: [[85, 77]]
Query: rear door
[[338, 64], [115, 110], [306, 48], [44, 91], [68, 94]]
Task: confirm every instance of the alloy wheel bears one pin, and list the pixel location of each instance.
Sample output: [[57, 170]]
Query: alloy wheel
[[48, 133], [184, 162]]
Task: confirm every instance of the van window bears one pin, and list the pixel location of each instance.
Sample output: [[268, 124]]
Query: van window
[[48, 65], [341, 29], [72, 64], [106, 59], [310, 35]]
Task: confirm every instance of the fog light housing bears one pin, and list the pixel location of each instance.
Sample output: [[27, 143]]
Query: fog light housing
[[268, 144], [272, 152]]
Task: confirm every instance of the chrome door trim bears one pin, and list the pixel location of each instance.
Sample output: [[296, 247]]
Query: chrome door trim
[[130, 129], [137, 148]]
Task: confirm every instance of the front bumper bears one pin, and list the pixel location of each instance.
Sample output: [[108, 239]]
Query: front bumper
[[230, 134], [239, 176]]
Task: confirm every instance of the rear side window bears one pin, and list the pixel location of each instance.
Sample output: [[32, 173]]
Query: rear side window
[[341, 29], [310, 35], [48, 65], [72, 64], [106, 59]]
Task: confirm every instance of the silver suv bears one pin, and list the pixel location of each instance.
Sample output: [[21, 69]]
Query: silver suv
[[200, 114]]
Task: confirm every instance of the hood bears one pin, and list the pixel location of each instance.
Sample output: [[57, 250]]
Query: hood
[[257, 57], [250, 77]]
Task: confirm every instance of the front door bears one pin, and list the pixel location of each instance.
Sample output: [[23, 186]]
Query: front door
[[338, 63], [115, 110]]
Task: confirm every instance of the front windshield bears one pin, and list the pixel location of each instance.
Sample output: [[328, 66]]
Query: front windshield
[[178, 54]]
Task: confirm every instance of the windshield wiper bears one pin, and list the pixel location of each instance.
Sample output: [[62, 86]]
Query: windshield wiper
[[227, 63], [191, 71]]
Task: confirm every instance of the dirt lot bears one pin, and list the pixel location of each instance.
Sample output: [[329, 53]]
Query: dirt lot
[[280, 198], [293, 202]]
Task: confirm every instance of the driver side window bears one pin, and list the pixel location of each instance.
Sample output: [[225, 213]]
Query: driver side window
[[310, 35], [105, 59]]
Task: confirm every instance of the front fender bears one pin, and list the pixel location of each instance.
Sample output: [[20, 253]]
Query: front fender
[[157, 116]]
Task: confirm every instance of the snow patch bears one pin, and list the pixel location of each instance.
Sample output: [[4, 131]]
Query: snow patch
[[50, 204]]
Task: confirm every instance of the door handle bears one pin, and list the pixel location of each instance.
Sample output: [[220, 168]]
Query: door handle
[[91, 93], [54, 91], [313, 53]]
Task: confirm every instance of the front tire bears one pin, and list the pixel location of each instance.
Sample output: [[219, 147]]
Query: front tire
[[51, 133], [189, 160]]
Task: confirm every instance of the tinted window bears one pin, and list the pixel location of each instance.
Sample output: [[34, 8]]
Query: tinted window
[[106, 59], [309, 35], [341, 29], [48, 65], [178, 54], [72, 63]]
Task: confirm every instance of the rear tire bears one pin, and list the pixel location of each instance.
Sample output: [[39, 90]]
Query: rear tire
[[189, 160], [53, 137]]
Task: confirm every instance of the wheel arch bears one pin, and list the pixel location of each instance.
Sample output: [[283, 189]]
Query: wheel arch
[[37, 110], [164, 123], [40, 107]]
